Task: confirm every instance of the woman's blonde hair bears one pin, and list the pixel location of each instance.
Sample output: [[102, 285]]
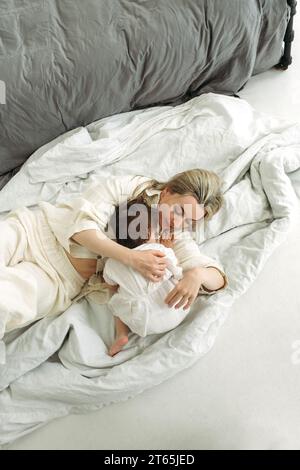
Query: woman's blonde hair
[[204, 185]]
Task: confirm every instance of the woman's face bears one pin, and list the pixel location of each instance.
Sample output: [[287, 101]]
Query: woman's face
[[179, 212]]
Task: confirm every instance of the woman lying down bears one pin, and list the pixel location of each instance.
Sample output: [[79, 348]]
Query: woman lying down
[[48, 254], [138, 304]]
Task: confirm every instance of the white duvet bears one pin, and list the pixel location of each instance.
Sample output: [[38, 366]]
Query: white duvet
[[60, 365]]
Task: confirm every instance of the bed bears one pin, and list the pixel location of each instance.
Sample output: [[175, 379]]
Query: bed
[[286, 59], [67, 63]]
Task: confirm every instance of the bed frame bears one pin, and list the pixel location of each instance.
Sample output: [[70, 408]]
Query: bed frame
[[287, 59]]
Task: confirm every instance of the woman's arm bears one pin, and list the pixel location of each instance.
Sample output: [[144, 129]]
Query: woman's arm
[[187, 289], [151, 263], [201, 274], [212, 278], [92, 209]]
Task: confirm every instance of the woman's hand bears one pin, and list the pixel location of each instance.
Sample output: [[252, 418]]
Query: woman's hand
[[150, 263], [186, 290]]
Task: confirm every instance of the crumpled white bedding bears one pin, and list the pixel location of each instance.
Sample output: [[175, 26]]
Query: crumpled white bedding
[[60, 365]]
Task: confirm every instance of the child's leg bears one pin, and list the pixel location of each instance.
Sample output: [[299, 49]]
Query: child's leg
[[121, 328], [122, 331]]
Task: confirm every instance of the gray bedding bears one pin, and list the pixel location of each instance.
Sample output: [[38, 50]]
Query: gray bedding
[[66, 63]]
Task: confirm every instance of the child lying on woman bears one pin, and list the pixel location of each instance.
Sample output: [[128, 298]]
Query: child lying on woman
[[139, 304]]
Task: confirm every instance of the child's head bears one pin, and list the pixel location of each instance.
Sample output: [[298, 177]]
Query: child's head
[[135, 223]]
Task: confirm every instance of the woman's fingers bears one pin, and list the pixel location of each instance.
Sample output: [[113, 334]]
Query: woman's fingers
[[160, 268], [178, 298], [183, 301], [175, 299], [160, 259], [158, 253], [162, 263], [190, 302], [159, 271], [171, 295], [158, 276], [155, 278]]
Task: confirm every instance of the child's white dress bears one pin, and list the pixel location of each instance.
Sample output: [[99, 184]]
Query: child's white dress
[[139, 302]]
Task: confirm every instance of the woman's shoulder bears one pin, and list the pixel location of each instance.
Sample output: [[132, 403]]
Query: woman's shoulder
[[114, 186], [130, 182]]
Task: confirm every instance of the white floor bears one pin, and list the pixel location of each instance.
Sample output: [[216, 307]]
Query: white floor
[[245, 393]]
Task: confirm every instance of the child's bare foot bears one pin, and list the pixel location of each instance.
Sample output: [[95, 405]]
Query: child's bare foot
[[118, 345]]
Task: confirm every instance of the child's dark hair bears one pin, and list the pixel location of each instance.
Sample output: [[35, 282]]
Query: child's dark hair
[[127, 232]]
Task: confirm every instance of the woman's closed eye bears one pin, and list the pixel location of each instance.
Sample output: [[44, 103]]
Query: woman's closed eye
[[188, 222], [178, 209]]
